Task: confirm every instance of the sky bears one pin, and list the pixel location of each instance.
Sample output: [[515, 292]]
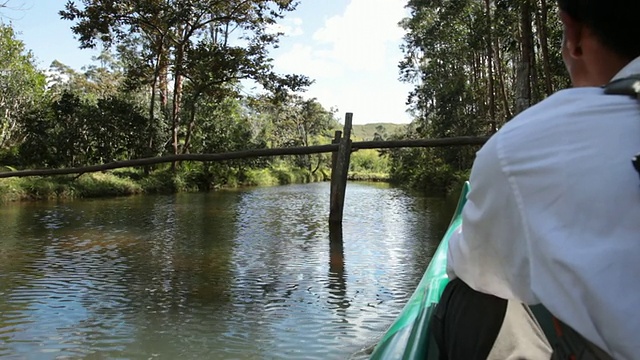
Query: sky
[[351, 48]]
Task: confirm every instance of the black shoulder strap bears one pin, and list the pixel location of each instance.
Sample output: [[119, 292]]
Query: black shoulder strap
[[626, 86], [629, 86]]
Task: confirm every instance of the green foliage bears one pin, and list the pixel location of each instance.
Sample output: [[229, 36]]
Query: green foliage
[[420, 169], [293, 120], [67, 187], [164, 181], [21, 86], [10, 157], [74, 131], [124, 108], [476, 64], [192, 44], [123, 182], [368, 176], [283, 175], [261, 177], [95, 82], [101, 185], [224, 128], [430, 169], [375, 131], [11, 190], [369, 161], [295, 175], [119, 128]]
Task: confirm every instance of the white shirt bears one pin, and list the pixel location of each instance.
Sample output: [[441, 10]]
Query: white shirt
[[553, 215]]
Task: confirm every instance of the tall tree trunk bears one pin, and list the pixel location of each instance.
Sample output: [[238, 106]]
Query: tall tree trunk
[[154, 86], [501, 80], [543, 33], [152, 115], [152, 107], [492, 99], [164, 83], [523, 73], [192, 124], [177, 96], [5, 129], [475, 79], [536, 93]]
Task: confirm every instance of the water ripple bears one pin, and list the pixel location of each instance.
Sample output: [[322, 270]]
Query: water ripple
[[229, 275]]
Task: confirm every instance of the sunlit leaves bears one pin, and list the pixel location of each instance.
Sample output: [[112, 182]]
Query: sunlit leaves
[[21, 85], [203, 48]]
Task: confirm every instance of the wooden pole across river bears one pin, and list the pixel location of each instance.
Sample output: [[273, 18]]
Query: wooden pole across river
[[341, 147]]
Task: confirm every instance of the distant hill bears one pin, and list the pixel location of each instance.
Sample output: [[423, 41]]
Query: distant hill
[[366, 132]]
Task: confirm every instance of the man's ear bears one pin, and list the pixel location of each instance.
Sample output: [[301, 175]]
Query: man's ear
[[573, 32]]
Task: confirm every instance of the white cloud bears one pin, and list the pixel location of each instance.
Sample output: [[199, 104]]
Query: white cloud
[[304, 59], [361, 36], [369, 102], [289, 27], [364, 38], [353, 56]]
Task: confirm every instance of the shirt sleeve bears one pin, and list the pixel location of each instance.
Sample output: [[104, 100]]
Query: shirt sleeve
[[489, 251]]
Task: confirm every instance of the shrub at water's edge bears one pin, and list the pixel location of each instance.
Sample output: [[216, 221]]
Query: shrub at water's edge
[[85, 186], [368, 176], [126, 182], [284, 176], [365, 165]]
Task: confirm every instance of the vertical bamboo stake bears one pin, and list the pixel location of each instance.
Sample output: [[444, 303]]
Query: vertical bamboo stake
[[339, 173]]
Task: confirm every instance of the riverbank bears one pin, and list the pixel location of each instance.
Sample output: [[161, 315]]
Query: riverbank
[[126, 182]]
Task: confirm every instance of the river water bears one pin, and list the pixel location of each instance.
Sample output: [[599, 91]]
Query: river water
[[246, 274]]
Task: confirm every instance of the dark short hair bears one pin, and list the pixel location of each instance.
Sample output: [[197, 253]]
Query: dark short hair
[[615, 22]]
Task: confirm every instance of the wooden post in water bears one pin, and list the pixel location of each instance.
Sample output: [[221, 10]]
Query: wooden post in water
[[339, 171], [334, 155]]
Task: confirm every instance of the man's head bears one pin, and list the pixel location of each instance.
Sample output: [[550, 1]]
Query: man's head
[[600, 37]]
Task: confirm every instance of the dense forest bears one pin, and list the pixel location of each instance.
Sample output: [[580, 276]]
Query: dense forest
[[169, 82], [476, 64]]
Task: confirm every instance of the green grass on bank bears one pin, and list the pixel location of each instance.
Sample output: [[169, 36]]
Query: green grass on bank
[[124, 182], [284, 176], [368, 176], [86, 186]]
